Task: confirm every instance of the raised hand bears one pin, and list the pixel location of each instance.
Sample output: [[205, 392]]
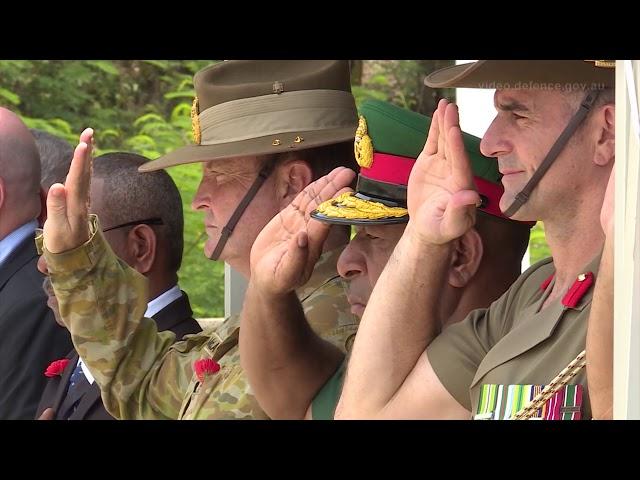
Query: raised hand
[[441, 196], [287, 248], [68, 205]]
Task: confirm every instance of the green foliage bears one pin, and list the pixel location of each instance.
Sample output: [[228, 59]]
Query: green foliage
[[401, 82], [9, 96], [538, 248], [139, 106], [142, 106]]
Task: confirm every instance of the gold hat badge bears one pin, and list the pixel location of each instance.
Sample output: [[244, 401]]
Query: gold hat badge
[[195, 121], [363, 147]]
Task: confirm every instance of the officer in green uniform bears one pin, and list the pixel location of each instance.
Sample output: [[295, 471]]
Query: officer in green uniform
[[553, 137], [263, 130], [387, 142]]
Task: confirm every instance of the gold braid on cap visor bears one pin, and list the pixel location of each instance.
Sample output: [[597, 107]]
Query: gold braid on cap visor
[[349, 206]]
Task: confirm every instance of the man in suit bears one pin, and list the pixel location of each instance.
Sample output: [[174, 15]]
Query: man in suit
[[29, 336], [143, 223]]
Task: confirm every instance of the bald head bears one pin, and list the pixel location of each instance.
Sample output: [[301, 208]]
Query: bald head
[[19, 173]]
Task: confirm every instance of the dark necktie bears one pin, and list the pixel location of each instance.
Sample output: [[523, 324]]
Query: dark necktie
[[78, 385]]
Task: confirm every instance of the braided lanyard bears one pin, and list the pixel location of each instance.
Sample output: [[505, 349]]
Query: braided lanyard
[[561, 380]]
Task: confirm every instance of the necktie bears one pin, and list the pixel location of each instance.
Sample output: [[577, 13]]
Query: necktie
[[78, 384]]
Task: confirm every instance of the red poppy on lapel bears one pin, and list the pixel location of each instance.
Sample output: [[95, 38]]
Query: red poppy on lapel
[[56, 367]]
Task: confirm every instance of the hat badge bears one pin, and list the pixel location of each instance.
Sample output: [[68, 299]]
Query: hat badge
[[363, 147], [195, 121]]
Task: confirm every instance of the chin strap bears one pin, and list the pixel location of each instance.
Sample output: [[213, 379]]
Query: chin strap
[[523, 196], [227, 230]]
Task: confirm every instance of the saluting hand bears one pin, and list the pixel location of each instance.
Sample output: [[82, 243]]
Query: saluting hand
[[286, 250], [441, 196]]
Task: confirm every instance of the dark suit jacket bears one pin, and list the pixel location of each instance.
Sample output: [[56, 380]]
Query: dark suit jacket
[[177, 317], [29, 335]]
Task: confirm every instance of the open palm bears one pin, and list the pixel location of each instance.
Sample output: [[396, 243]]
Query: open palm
[[286, 250], [68, 205], [441, 196]]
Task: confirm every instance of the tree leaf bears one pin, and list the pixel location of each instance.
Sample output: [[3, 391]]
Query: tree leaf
[[9, 96], [104, 65]]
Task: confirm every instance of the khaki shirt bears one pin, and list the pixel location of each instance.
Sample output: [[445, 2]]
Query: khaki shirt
[[142, 373], [513, 343]]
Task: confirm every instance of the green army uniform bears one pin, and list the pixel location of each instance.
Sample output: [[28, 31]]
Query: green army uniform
[[242, 109], [497, 360], [492, 361], [388, 141], [141, 372]]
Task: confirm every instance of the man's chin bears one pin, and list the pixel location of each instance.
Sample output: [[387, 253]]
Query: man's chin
[[209, 247], [522, 214]]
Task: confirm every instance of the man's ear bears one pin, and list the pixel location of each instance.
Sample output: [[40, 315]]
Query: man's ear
[[43, 207], [605, 135], [292, 178], [466, 259], [142, 244]]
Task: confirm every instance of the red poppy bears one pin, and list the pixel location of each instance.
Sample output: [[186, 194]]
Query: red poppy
[[204, 367], [56, 368]]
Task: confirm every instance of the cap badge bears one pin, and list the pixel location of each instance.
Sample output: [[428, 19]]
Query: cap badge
[[195, 121], [363, 147]]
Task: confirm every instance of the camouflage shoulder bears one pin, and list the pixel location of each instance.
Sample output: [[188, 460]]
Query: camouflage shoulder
[[228, 326], [194, 341]]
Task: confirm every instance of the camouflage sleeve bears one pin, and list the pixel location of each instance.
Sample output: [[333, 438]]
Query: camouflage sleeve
[[328, 313], [142, 374]]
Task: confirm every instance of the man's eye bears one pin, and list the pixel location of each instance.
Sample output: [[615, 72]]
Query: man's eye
[[517, 117], [371, 237], [219, 178]]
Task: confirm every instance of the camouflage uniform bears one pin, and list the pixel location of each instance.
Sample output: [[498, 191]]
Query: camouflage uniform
[[141, 372]]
